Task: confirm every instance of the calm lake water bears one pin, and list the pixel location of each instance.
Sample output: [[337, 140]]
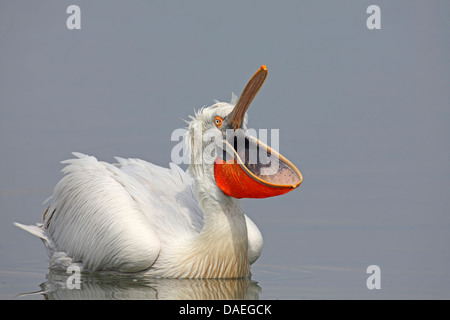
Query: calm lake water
[[364, 114]]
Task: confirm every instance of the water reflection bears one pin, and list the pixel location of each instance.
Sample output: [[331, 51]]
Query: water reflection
[[124, 286]]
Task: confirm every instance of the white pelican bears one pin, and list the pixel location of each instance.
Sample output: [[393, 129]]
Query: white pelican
[[134, 216]]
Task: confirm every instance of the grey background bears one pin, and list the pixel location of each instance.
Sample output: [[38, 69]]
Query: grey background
[[363, 114]]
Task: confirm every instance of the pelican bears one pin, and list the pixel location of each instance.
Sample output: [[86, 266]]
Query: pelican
[[134, 216]]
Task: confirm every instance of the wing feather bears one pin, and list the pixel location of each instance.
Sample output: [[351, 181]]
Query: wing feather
[[97, 221]]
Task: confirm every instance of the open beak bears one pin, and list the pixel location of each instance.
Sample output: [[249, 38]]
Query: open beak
[[248, 168]]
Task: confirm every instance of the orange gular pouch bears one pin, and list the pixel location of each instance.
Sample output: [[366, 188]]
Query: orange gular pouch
[[251, 169]]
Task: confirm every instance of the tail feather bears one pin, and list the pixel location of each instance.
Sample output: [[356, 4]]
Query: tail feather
[[36, 230], [58, 259]]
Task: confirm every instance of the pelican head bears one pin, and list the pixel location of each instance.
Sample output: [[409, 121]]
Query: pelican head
[[224, 153]]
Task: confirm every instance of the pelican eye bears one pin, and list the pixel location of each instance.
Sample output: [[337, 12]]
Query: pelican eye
[[218, 121]]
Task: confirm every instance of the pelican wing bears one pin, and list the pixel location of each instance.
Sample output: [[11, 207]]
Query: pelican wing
[[116, 216], [167, 196]]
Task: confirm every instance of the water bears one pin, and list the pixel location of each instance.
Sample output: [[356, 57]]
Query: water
[[362, 113]]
